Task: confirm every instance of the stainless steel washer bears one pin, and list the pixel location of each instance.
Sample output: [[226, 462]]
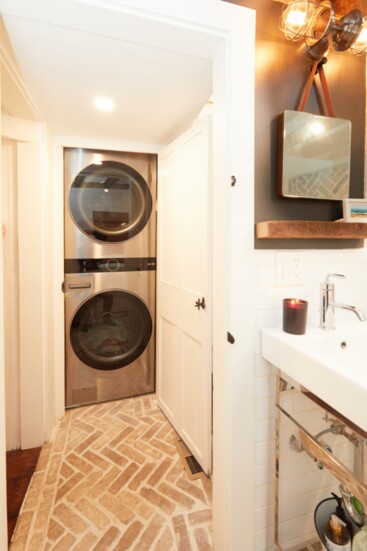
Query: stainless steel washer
[[109, 203], [109, 328]]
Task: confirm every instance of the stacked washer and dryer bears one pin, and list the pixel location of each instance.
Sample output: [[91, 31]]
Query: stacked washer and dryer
[[110, 262]]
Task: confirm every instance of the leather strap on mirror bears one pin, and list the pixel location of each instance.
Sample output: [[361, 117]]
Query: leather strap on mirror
[[317, 68]]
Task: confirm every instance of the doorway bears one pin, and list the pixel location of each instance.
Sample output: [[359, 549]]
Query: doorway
[[225, 34], [11, 292]]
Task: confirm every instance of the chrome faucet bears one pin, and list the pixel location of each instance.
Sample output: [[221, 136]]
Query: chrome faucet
[[328, 304]]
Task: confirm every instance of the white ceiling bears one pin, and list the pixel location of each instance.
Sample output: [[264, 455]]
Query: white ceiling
[[158, 89]]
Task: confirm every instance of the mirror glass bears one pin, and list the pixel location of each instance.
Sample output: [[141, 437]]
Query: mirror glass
[[314, 156]]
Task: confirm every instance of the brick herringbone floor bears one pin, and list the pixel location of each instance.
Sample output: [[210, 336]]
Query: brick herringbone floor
[[111, 479]]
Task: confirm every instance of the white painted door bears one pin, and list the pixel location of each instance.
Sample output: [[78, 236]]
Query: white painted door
[[184, 345]]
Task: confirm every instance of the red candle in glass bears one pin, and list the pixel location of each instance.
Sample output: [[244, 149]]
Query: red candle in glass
[[294, 316]]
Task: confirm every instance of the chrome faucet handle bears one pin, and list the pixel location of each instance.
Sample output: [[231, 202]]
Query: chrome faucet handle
[[328, 276]]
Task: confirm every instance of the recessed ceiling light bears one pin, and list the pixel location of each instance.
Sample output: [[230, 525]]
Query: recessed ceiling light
[[103, 103]]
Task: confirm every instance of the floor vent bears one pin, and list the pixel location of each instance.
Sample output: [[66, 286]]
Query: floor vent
[[191, 465]]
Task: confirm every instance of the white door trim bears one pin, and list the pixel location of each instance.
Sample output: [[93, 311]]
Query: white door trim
[[32, 376]]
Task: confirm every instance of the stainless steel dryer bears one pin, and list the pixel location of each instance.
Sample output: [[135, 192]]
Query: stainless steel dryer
[[110, 329], [109, 204]]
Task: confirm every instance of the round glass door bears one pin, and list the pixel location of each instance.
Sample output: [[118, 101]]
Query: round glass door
[[110, 330], [110, 201]]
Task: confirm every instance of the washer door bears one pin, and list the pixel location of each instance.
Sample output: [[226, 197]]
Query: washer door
[[110, 330], [110, 201]]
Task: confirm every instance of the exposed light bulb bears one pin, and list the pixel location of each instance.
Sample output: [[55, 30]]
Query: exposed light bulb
[[296, 19], [359, 46], [363, 35]]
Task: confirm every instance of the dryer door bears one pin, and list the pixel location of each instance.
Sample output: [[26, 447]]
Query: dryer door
[[110, 201], [110, 330]]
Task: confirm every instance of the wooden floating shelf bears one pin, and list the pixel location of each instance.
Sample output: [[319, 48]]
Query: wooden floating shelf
[[307, 229]]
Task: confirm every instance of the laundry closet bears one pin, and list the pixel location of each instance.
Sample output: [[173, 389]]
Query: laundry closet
[[100, 204], [112, 344]]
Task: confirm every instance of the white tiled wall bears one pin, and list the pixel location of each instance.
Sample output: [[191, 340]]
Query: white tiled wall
[[303, 484]]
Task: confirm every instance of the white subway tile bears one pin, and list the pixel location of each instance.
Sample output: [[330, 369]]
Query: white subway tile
[[264, 540], [265, 474], [302, 403], [265, 452], [286, 451], [295, 465], [268, 318], [286, 533], [265, 276], [264, 430], [257, 342], [264, 386], [267, 298], [298, 507], [294, 533], [264, 517], [264, 408], [264, 495], [357, 291], [286, 488], [263, 367], [264, 257], [315, 480]]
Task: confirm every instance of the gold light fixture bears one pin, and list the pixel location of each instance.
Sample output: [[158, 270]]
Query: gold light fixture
[[315, 22]]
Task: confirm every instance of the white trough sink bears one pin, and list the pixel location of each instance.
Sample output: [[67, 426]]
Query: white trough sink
[[331, 364]]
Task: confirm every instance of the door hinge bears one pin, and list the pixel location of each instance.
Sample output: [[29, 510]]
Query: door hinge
[[233, 181]]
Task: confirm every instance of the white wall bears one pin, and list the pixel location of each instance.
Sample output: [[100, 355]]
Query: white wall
[[268, 312]]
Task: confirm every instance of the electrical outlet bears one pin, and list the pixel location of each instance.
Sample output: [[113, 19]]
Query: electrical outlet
[[290, 269]]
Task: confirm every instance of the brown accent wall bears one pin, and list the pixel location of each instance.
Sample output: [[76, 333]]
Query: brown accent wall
[[281, 72], [343, 6]]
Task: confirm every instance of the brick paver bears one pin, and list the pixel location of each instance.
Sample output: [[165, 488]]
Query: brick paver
[[113, 480]]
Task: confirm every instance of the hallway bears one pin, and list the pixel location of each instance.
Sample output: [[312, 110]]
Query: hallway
[[112, 479]]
